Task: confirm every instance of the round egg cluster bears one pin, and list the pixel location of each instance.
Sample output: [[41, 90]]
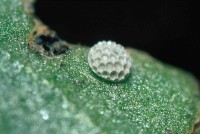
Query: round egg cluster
[[109, 60]]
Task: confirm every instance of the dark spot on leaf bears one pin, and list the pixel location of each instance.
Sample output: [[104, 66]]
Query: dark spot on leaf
[[52, 44], [46, 40]]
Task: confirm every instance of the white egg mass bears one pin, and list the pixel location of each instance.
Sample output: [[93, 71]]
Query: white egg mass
[[109, 60]]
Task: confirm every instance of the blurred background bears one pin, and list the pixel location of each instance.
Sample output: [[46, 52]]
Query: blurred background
[[165, 29]]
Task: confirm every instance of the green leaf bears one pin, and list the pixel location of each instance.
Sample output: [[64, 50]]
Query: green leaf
[[46, 95]]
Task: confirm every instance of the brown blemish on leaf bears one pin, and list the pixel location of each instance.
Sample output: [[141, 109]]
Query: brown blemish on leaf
[[42, 39], [46, 41]]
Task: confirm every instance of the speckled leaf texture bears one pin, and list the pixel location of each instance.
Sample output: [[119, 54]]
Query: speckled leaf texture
[[41, 95]]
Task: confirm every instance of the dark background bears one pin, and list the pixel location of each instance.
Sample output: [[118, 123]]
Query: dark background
[[165, 29]]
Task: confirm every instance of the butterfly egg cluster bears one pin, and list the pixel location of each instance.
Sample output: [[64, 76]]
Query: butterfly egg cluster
[[109, 60]]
